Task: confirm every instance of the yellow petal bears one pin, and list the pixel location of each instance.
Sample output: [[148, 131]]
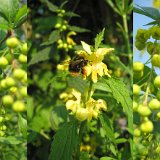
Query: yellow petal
[[71, 105], [94, 76], [104, 51], [100, 69], [86, 47]]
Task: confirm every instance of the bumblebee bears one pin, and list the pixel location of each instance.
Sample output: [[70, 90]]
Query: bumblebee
[[77, 64]]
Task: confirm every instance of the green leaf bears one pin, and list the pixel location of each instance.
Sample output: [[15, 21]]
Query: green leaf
[[71, 14], [121, 94], [42, 55], [107, 158], [148, 11], [102, 86], [64, 142], [3, 23], [9, 8], [10, 140], [22, 123], [106, 124], [99, 39], [21, 16], [53, 37], [78, 29], [58, 117], [51, 6]]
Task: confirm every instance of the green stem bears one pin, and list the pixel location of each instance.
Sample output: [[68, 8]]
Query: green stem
[[83, 124], [81, 131], [90, 90]]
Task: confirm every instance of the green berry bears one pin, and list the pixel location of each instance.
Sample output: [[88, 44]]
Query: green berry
[[157, 82], [136, 89], [138, 66], [22, 58], [12, 42], [19, 106], [24, 48], [3, 62], [143, 110], [7, 100], [154, 104], [156, 60], [19, 73]]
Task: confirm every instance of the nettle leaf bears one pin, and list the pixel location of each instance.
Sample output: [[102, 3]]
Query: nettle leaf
[[78, 29], [53, 37], [106, 124], [121, 94], [64, 142], [9, 8], [51, 6], [99, 39], [42, 55], [71, 14]]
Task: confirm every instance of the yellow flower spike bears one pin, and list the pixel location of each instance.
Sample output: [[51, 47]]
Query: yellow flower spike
[[82, 114], [101, 104], [86, 47], [94, 76], [63, 95], [72, 105], [69, 39], [76, 94]]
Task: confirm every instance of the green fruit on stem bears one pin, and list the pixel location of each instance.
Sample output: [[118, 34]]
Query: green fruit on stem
[[19, 73], [12, 42], [143, 110], [24, 48], [3, 84], [157, 81], [22, 58], [23, 91], [158, 95], [19, 106], [136, 89], [3, 62], [10, 82], [147, 126], [7, 100], [158, 115], [137, 132], [154, 104], [138, 66], [156, 60]]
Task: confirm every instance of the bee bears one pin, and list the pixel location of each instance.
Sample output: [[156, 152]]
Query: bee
[[77, 64]]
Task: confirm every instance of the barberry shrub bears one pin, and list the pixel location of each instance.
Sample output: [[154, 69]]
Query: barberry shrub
[[13, 80], [146, 104]]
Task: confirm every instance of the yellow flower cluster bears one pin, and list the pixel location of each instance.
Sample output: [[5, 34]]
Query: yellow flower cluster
[[91, 109], [95, 65]]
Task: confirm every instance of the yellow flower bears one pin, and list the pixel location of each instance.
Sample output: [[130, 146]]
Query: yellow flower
[[69, 39], [95, 65]]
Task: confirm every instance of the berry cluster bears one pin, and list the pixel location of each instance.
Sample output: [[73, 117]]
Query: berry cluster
[[13, 81], [146, 91]]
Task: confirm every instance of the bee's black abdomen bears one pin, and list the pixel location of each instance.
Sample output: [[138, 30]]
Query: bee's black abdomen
[[77, 64]]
